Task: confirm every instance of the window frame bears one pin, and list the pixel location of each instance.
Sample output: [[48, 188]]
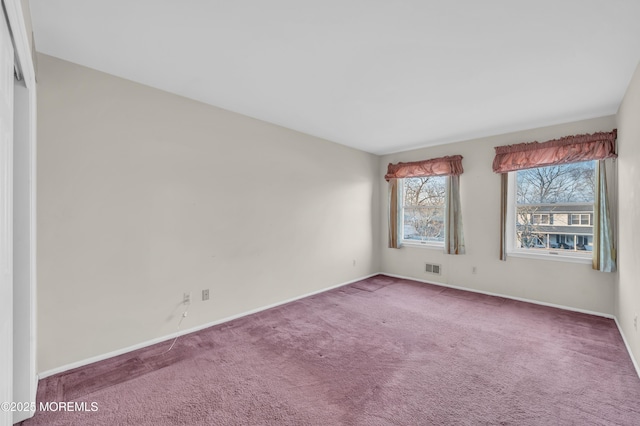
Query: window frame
[[416, 243], [569, 256], [540, 216], [580, 220]]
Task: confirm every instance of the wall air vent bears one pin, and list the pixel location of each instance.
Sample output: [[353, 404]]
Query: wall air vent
[[432, 268]]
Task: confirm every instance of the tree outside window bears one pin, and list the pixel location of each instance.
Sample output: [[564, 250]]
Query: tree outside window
[[423, 202], [546, 199]]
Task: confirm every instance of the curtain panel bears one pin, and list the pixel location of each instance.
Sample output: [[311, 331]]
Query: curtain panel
[[504, 194], [453, 233], [569, 149], [604, 252], [394, 223], [450, 166]]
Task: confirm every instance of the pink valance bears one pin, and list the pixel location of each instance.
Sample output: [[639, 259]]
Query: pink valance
[[569, 149], [443, 166]]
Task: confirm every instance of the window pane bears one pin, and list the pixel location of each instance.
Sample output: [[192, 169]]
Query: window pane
[[423, 209], [566, 193]]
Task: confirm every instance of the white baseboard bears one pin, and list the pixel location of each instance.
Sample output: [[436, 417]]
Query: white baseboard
[[147, 343], [626, 344], [519, 299], [122, 351]]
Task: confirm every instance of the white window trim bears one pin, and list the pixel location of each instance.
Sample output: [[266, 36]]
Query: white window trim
[[426, 244], [513, 251]]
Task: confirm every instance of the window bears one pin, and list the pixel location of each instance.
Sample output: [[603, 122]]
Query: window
[[553, 209], [423, 210], [540, 219], [580, 219]]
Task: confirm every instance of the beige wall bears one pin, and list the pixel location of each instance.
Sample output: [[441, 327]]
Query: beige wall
[[568, 284], [144, 195], [628, 283]]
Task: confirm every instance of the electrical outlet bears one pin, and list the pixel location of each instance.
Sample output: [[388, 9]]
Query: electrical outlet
[[354, 262], [186, 299], [635, 322], [474, 270], [205, 294]]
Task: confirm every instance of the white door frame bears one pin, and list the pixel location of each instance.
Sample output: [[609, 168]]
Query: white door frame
[[25, 379], [6, 222]]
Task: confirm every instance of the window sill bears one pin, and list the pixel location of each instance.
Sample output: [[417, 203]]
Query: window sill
[[553, 257], [414, 244]]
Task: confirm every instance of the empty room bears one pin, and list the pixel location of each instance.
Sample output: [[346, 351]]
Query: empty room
[[320, 213]]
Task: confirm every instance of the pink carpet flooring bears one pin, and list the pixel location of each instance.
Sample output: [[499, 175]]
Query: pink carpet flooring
[[382, 351]]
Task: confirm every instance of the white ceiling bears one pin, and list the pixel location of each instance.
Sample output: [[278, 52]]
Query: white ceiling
[[378, 75]]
